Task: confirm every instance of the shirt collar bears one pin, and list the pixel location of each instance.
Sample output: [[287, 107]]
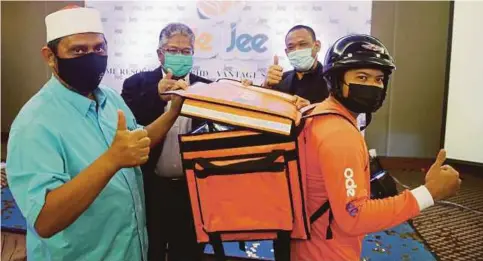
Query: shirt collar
[[316, 70], [78, 101], [319, 68]]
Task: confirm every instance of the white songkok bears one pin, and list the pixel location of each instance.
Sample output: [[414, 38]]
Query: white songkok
[[73, 20]]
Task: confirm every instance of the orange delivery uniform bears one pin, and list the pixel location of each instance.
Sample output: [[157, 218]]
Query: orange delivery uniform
[[338, 172]]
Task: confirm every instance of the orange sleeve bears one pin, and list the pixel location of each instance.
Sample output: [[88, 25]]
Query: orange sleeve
[[342, 158]]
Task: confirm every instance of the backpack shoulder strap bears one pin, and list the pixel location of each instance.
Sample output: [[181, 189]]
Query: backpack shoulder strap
[[321, 211], [309, 112], [325, 207], [309, 108]]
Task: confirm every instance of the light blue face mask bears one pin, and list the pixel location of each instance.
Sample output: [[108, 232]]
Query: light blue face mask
[[301, 60], [179, 64]]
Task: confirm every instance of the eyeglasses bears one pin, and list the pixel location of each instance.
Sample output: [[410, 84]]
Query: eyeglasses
[[187, 51]]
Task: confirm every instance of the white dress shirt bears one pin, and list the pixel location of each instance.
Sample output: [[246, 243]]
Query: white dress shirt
[[169, 163]]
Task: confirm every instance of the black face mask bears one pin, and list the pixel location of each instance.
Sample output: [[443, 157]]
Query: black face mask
[[82, 73], [364, 98]]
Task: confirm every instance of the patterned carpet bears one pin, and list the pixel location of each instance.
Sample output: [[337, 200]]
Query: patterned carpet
[[452, 233]]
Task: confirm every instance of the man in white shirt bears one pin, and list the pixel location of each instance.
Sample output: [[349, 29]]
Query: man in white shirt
[[168, 210], [169, 164]]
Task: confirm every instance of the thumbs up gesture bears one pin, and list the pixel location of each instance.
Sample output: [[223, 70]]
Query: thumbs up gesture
[[166, 84], [274, 74], [442, 181], [129, 148], [169, 84]]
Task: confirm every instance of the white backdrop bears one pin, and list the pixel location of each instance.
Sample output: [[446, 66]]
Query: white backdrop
[[234, 39], [464, 122], [257, 28]]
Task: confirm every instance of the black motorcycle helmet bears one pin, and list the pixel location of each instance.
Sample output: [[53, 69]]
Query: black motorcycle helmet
[[352, 52]]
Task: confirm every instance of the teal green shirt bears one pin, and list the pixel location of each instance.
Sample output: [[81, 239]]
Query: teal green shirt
[[56, 135]]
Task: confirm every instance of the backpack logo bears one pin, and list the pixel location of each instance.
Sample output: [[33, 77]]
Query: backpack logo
[[350, 184]]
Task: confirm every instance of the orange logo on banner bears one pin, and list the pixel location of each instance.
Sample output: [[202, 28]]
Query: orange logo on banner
[[203, 41], [212, 9]]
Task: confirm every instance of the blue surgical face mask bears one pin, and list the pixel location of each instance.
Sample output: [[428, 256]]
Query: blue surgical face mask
[[301, 60], [179, 64]]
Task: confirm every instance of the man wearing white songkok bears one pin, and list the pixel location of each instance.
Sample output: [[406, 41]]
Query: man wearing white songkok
[[74, 152]]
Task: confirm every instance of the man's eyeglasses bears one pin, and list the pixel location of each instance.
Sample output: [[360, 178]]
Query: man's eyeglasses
[[187, 51]]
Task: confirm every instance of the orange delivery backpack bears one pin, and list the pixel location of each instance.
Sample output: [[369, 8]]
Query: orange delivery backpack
[[246, 183]]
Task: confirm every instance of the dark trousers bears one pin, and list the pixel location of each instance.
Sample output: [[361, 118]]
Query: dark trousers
[[169, 220]]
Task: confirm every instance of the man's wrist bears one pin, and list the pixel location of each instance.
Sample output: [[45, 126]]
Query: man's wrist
[[266, 85], [172, 114], [423, 196], [109, 162]]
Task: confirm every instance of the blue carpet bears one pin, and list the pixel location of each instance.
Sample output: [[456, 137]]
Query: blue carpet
[[12, 219], [398, 243]]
